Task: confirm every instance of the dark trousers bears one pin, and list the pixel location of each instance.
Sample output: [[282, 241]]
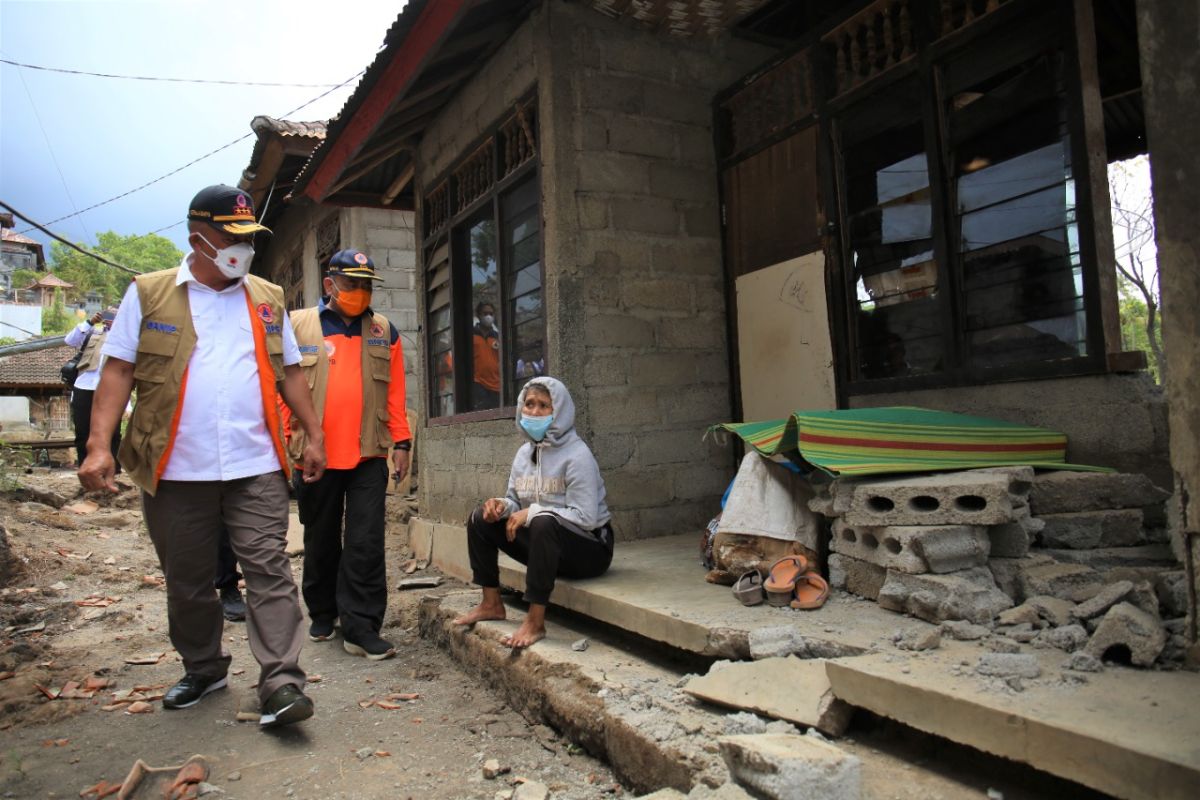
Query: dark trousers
[[344, 572], [545, 547], [227, 567], [81, 416]]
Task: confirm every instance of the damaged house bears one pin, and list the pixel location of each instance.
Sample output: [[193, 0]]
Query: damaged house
[[701, 212]]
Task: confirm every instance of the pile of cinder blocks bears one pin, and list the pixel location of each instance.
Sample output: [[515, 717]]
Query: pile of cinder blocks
[[1072, 560]]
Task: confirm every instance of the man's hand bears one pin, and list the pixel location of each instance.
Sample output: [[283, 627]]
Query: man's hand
[[400, 460], [96, 318], [314, 458], [515, 523], [98, 471], [493, 509]]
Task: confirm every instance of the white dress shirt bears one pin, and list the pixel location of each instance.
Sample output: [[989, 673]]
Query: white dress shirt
[[222, 433], [75, 338]]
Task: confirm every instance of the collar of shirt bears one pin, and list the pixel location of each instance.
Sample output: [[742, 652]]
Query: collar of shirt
[[185, 276], [332, 322]]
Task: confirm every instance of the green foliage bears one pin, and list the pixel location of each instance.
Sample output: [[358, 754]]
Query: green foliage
[[142, 253], [1134, 315], [13, 462], [56, 320]]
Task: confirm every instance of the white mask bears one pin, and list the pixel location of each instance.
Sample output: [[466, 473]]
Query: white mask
[[233, 261], [488, 320]]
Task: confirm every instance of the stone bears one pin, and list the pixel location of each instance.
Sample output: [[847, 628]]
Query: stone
[[1144, 557], [913, 548], [1086, 530], [1065, 492], [1083, 662], [1171, 590], [492, 769], [9, 564], [1024, 613], [856, 576], [1023, 633], [1002, 644], [1007, 665], [755, 686], [663, 794], [580, 645], [1128, 626], [531, 790], [919, 639], [964, 631], [779, 766], [968, 595], [1069, 637], [1053, 610], [1108, 597], [1007, 571], [783, 640], [1073, 582], [972, 497]]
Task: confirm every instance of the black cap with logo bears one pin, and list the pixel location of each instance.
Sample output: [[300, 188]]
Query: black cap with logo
[[226, 207], [352, 264]]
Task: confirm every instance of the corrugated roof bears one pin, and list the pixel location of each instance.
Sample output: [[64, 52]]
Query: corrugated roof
[[39, 368], [12, 236], [284, 127], [50, 280]]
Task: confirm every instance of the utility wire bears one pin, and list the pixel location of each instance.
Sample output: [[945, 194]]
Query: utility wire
[[196, 160], [69, 243], [168, 80]]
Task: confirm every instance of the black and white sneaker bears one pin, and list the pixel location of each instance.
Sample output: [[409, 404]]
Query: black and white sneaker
[[190, 690], [321, 630], [285, 706], [372, 647]]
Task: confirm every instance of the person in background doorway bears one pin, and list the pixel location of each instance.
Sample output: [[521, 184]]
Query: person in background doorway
[[485, 376], [89, 335], [553, 518], [354, 363]]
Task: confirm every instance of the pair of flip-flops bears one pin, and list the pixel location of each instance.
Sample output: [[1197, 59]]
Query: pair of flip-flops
[[789, 583]]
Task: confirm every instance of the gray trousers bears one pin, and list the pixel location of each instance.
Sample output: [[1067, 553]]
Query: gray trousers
[[185, 519]]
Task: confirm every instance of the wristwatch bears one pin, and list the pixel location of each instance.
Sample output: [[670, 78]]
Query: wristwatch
[[405, 445]]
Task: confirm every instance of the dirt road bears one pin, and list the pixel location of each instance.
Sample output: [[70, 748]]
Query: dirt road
[[87, 600]]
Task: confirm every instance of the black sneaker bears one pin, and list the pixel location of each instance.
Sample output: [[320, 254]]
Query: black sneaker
[[371, 647], [321, 630], [232, 604], [190, 689], [285, 706]]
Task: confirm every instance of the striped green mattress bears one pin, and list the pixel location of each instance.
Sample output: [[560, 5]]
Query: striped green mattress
[[874, 441]]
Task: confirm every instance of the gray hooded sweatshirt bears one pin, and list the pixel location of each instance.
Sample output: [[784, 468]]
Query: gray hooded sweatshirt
[[564, 479]]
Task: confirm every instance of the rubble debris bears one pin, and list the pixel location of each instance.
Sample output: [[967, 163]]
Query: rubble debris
[[858, 577], [1171, 590], [1006, 665], [531, 790], [1064, 492], [1012, 539], [914, 549], [1069, 637], [969, 594], [1073, 582], [964, 631], [1107, 597], [1084, 662], [1024, 613], [1053, 610], [1087, 530], [775, 765], [580, 645], [930, 639], [492, 768], [1128, 626]]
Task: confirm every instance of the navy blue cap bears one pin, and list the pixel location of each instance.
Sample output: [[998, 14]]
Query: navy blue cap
[[352, 264]]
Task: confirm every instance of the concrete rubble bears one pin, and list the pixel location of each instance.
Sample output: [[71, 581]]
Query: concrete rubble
[[783, 767]]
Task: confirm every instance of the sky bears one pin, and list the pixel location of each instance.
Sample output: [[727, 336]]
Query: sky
[[70, 141]]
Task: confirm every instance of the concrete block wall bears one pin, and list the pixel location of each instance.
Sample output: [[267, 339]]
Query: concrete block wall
[[1116, 420]]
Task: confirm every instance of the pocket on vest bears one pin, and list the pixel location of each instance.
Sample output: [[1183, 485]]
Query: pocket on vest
[[385, 436]]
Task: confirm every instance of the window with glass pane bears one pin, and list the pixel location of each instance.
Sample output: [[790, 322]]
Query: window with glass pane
[[480, 250], [441, 331], [896, 306], [1014, 214], [523, 259]]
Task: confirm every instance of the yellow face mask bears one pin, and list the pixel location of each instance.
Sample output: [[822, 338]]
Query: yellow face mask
[[353, 301]]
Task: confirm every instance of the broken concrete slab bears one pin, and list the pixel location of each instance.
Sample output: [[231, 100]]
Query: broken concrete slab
[[788, 688], [856, 576], [1073, 582], [1151, 556], [969, 595], [1015, 616], [1171, 589], [914, 548], [1062, 492], [1105, 599], [1007, 571], [964, 631], [1053, 610], [1012, 539], [1086, 530], [974, 497], [1069, 638], [1127, 626], [780, 766], [784, 640], [1008, 665]]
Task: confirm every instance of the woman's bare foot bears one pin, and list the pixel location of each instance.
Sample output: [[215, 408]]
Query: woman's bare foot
[[524, 636], [490, 607]]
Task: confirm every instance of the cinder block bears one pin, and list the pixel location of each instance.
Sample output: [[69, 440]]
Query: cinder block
[[915, 549], [1128, 626], [1171, 588], [970, 595], [619, 330], [1073, 582], [779, 766], [1012, 539], [1143, 557], [1105, 599], [975, 497], [641, 137], [1084, 530], [858, 577], [1064, 492]]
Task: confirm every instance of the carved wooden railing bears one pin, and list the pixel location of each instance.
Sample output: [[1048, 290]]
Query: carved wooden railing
[[871, 42], [958, 14], [517, 139], [437, 208]]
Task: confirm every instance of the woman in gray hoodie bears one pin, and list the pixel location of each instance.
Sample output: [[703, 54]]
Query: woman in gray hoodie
[[553, 517]]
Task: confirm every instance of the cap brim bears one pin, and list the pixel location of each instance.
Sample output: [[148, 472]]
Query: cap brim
[[350, 274], [241, 228]]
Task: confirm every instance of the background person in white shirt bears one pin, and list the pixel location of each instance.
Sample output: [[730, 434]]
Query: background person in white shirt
[[89, 335], [205, 445]]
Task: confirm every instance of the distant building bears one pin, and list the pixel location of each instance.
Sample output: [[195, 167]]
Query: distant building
[[16, 252]]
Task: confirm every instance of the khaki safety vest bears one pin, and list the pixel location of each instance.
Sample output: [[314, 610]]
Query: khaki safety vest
[[374, 438], [90, 359], [165, 345]]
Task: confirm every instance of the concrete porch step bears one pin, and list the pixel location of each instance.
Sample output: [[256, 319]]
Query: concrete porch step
[[1126, 732]]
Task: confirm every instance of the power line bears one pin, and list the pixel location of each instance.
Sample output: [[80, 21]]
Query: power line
[[168, 80], [197, 160], [67, 242]]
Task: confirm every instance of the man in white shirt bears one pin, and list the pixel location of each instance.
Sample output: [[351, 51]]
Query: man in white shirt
[[88, 336], [207, 346]]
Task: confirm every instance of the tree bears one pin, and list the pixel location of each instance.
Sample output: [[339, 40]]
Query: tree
[[56, 320], [1133, 238], [142, 253]]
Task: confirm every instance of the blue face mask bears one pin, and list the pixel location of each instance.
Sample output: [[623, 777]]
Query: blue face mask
[[536, 427]]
